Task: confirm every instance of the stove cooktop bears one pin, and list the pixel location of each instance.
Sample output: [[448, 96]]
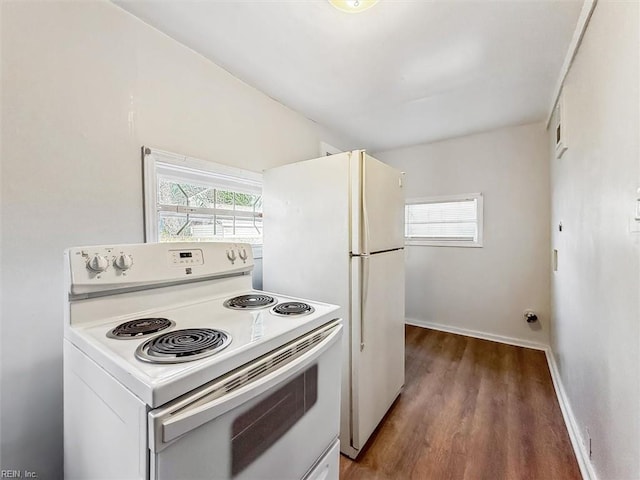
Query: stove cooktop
[[250, 333]]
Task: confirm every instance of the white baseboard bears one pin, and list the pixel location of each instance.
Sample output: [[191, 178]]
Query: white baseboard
[[518, 342], [581, 452]]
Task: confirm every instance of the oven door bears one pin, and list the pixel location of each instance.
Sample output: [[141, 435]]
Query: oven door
[[271, 419]]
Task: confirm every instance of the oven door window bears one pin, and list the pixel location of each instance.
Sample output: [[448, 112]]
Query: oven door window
[[258, 428]]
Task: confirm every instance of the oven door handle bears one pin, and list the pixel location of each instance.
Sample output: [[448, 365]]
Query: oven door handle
[[168, 424]]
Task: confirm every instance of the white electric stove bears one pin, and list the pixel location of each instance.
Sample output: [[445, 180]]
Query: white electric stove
[[177, 368]]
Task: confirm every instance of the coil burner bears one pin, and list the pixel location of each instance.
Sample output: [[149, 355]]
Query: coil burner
[[290, 309], [250, 302], [183, 345], [139, 328]]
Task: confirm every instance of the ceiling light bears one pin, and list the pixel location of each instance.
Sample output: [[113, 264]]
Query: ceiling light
[[353, 6]]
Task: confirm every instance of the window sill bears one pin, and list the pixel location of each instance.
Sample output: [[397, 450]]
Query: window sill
[[435, 243]]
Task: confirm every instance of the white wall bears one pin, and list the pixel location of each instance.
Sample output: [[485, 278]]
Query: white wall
[[596, 290], [486, 289], [84, 85]]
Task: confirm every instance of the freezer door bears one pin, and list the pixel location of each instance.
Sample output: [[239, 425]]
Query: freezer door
[[378, 339], [378, 205], [306, 229]]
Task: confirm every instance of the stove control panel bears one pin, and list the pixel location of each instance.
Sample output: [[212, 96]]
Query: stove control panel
[[116, 267]]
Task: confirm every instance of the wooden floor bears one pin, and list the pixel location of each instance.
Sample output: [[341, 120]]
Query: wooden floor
[[470, 409]]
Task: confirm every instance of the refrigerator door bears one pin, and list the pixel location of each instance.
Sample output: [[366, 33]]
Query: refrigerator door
[[377, 339], [378, 205], [307, 243]]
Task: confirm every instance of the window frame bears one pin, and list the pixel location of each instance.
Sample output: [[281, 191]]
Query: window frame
[[478, 197], [151, 157]]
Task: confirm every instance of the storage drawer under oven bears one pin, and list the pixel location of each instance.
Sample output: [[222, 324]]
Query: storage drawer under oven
[[271, 419]]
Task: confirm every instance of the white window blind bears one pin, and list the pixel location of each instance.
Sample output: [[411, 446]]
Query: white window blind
[[453, 220], [193, 200]]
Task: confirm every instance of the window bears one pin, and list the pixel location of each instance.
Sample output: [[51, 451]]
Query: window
[[454, 220], [187, 199]]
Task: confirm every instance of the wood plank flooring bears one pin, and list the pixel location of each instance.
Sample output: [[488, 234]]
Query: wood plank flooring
[[471, 409]]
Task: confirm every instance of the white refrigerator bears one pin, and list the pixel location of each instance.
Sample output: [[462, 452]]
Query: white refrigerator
[[334, 232]]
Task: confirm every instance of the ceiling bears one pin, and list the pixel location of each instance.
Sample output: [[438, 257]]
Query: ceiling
[[398, 74]]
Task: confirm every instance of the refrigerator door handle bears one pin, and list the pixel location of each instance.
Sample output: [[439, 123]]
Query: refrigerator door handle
[[363, 202], [363, 297]]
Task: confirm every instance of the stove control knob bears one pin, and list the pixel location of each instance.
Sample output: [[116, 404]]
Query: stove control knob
[[98, 263], [123, 262]]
